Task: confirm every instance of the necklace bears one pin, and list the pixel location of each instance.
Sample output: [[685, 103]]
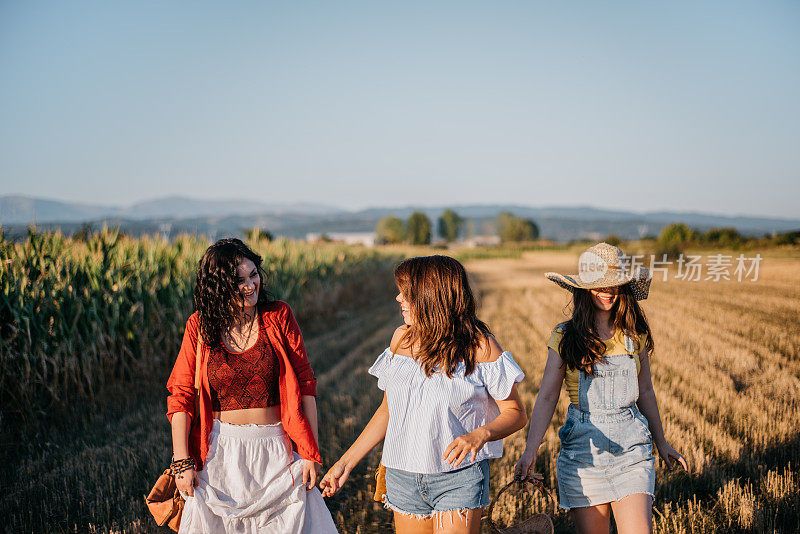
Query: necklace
[[246, 337]]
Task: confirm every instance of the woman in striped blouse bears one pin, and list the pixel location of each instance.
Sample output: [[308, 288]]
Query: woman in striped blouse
[[449, 399]]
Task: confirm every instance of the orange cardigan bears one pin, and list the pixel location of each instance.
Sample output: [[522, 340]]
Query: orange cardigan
[[296, 378]]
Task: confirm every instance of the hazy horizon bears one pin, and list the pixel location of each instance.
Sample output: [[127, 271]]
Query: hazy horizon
[[419, 205]]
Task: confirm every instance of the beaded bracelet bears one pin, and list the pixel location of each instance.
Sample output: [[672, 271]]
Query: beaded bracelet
[[180, 466], [179, 471], [188, 462]]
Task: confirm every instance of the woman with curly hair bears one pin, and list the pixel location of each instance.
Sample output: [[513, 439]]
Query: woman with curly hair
[[450, 396], [251, 461]]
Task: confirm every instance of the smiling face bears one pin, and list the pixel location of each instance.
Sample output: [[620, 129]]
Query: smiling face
[[604, 298], [248, 281], [405, 308]]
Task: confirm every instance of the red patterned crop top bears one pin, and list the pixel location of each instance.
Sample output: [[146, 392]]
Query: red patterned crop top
[[246, 379]]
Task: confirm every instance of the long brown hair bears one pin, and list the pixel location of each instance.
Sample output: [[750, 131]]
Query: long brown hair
[[446, 329], [581, 346]]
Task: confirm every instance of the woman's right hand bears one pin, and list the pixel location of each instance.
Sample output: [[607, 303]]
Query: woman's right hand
[[335, 478], [186, 481], [524, 465]]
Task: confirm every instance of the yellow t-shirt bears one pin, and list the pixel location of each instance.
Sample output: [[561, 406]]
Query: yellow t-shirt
[[615, 345]]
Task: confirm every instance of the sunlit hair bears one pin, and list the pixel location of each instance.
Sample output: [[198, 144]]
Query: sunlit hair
[[216, 293], [446, 330], [581, 346]]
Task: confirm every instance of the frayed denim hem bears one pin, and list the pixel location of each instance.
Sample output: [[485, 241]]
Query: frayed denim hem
[[436, 514], [568, 508], [390, 506]]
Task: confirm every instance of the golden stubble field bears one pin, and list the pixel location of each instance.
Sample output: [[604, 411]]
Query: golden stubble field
[[727, 376]]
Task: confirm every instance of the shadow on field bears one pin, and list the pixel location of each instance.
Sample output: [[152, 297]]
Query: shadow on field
[[738, 493], [94, 463], [86, 467]]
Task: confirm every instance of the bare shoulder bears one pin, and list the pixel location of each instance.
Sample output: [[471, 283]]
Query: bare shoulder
[[398, 333], [489, 350]]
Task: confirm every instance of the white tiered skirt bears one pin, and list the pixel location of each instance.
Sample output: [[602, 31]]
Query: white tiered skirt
[[246, 486]]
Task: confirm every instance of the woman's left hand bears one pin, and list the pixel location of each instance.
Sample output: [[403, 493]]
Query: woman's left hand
[[463, 445], [311, 473], [667, 453]]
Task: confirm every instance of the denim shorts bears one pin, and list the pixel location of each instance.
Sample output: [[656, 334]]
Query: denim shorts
[[423, 495]]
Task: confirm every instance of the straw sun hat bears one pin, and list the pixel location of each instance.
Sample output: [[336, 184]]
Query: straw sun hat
[[605, 265]]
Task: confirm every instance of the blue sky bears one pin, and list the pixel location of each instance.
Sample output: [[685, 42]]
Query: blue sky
[[626, 105]]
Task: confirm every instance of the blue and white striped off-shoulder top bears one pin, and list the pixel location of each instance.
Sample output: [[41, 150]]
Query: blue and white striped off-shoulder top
[[427, 414]]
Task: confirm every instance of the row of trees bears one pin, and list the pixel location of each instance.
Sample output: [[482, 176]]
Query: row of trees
[[675, 237], [417, 230], [513, 228]]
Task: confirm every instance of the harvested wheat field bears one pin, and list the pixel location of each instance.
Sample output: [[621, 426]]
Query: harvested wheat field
[[726, 371]]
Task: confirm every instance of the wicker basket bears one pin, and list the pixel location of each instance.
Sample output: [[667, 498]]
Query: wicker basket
[[537, 523]]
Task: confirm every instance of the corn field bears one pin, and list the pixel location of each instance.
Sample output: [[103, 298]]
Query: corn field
[[75, 315]]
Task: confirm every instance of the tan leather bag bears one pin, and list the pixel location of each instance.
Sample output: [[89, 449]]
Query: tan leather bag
[[380, 483], [165, 501]]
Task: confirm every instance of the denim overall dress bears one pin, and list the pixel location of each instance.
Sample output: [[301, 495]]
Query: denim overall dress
[[606, 446]]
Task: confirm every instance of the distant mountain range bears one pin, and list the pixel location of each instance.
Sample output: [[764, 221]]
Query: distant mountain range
[[215, 218], [26, 210]]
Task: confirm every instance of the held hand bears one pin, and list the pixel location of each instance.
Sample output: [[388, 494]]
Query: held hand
[[468, 444], [524, 465], [335, 478], [667, 453], [186, 482], [311, 472]]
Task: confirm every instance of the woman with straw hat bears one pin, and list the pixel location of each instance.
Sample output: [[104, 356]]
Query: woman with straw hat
[[602, 354]]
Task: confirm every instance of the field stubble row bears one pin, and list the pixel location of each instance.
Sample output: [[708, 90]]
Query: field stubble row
[[726, 378]]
